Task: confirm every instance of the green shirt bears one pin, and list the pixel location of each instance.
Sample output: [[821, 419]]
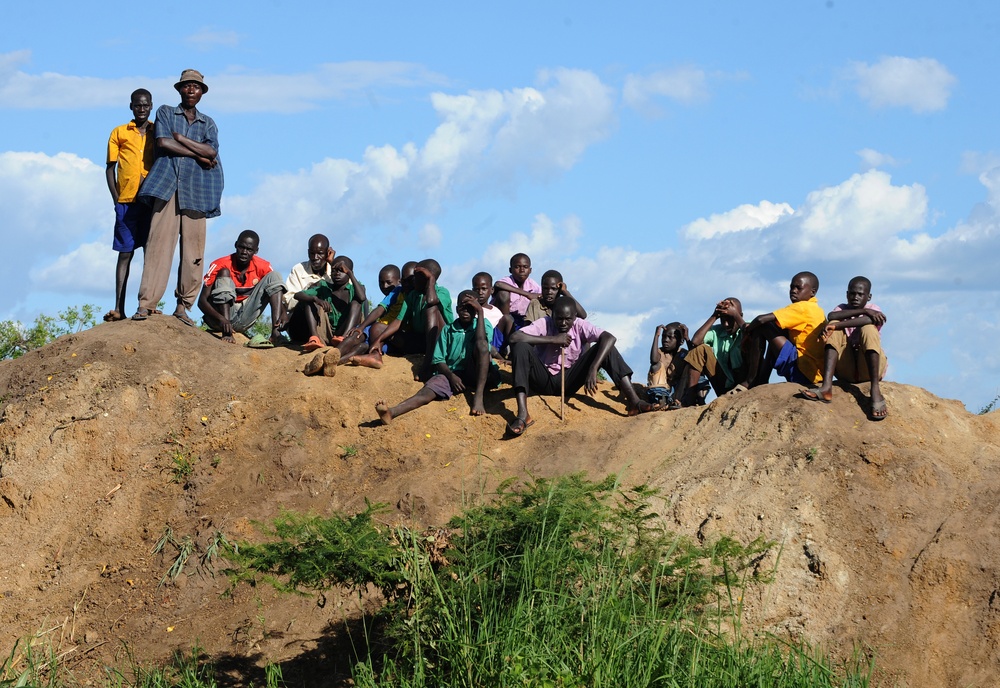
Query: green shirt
[[727, 350], [325, 291], [455, 344], [413, 309]]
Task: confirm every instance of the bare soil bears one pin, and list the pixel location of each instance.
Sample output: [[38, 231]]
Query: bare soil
[[886, 531]]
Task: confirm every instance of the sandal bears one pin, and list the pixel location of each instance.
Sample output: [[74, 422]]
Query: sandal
[[314, 343], [183, 317], [259, 341], [141, 314], [516, 427], [878, 411], [811, 395]]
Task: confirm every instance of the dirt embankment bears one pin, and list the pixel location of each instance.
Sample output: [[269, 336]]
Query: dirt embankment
[[887, 531]]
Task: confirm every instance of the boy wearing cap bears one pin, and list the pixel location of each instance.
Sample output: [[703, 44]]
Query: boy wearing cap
[[184, 188]]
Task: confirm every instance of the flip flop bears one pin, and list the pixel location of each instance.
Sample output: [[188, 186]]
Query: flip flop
[[259, 341], [141, 314], [880, 406], [516, 427], [312, 344], [810, 395], [183, 317]]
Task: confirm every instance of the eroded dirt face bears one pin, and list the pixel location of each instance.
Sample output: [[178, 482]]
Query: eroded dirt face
[[886, 531]]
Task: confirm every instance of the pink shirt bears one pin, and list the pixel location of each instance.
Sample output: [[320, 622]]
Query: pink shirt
[[581, 333], [851, 333], [518, 303]]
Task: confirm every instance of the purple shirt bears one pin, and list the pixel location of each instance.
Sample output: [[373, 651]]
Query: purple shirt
[[853, 336], [518, 303], [581, 333]]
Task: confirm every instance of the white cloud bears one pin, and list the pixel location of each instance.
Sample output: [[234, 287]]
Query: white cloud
[[89, 268], [488, 142], [977, 162], [207, 38], [429, 237], [921, 84], [739, 219], [686, 85], [231, 91], [872, 159]]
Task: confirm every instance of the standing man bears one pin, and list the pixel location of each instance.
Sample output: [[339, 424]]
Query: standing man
[[184, 188]]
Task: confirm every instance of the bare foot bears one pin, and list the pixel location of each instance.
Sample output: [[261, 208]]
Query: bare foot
[[382, 409], [228, 338], [367, 360]]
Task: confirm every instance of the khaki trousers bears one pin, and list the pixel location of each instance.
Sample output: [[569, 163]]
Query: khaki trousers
[[167, 225], [851, 363]]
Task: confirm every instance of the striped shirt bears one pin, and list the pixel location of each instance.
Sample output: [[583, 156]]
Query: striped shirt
[[196, 189]]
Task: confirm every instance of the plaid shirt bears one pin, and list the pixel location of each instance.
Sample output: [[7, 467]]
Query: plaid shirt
[[196, 189]]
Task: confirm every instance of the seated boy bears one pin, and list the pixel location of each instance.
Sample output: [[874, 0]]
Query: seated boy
[[792, 335], [461, 360], [552, 288], [666, 358], [716, 352], [482, 287], [130, 152], [302, 276], [425, 311], [333, 307], [390, 283], [535, 353], [236, 290], [854, 347], [513, 294]]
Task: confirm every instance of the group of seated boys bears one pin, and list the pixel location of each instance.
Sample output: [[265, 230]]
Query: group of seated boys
[[541, 329]]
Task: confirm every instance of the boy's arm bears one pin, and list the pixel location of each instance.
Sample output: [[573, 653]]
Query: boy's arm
[[374, 315], [391, 329], [503, 286], [870, 316], [699, 335], [112, 180], [761, 319], [359, 289], [205, 304], [581, 312], [203, 150], [557, 339], [604, 344], [654, 352]]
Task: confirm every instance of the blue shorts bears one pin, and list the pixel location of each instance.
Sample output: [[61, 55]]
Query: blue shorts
[[131, 226], [787, 365]]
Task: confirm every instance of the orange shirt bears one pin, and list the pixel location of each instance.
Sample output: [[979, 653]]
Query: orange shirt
[[803, 321], [133, 151], [255, 271]]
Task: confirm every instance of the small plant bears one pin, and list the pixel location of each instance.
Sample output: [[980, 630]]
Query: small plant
[[181, 467], [990, 406], [348, 452], [16, 338], [812, 454], [185, 547]]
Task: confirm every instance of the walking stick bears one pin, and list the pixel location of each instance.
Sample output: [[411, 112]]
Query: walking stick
[[562, 382]]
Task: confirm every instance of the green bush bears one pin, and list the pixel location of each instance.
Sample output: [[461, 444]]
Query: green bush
[[16, 339]]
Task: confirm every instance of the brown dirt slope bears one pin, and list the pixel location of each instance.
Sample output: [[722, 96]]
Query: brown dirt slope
[[887, 531]]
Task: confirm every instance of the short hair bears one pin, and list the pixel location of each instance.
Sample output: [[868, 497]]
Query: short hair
[[344, 259], [552, 273], [861, 280], [407, 267], [514, 258], [672, 326], [487, 275], [249, 233], [813, 279], [320, 238], [739, 304], [140, 92], [461, 295], [564, 301], [432, 265], [390, 270]]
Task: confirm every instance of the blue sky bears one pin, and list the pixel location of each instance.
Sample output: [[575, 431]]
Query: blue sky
[[661, 155]]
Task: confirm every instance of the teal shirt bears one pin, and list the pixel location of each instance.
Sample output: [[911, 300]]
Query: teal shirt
[[456, 343], [325, 291], [413, 309], [727, 350]]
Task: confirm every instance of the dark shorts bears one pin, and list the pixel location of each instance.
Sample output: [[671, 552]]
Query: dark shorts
[[131, 226], [441, 386], [787, 365]]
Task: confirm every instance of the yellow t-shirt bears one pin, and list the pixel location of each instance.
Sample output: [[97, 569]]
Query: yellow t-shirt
[[803, 321], [133, 151]]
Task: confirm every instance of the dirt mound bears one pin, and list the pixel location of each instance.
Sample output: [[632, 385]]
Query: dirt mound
[[111, 437]]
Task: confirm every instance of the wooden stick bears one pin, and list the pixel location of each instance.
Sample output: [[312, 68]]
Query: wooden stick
[[562, 382]]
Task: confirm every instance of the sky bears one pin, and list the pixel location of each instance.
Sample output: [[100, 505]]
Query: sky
[[661, 155]]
